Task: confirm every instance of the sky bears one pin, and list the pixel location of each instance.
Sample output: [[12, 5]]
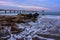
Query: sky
[[48, 5]]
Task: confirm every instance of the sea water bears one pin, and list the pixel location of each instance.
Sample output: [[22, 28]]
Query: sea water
[[44, 25], [25, 12]]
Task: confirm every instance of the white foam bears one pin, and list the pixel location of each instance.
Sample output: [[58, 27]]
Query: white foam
[[44, 24]]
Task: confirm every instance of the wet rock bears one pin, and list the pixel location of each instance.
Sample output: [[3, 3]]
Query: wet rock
[[35, 15], [36, 38], [20, 39], [4, 34], [15, 29], [49, 36], [1, 27]]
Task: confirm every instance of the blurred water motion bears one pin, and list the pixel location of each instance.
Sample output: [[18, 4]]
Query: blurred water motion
[[43, 25]]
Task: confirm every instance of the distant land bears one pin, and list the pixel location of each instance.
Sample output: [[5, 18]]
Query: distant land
[[40, 12]]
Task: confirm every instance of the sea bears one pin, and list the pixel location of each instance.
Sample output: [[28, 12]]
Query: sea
[[44, 25], [27, 12]]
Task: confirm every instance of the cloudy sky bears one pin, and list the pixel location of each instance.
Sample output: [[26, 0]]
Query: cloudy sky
[[49, 5]]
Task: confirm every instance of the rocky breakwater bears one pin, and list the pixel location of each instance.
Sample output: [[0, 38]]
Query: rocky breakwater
[[10, 22]]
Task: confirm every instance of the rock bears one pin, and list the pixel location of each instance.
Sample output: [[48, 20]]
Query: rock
[[20, 39], [36, 38], [15, 29], [4, 34]]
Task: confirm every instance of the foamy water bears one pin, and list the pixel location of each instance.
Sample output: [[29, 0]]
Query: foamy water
[[43, 25]]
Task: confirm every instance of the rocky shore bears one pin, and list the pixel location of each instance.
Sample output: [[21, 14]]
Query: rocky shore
[[44, 28]]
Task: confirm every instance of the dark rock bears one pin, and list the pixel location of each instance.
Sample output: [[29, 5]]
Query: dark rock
[[16, 30], [35, 38], [49, 36], [20, 39]]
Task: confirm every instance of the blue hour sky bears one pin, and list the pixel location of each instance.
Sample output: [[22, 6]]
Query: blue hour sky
[[49, 5]]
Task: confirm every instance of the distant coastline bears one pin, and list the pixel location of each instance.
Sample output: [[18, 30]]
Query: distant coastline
[[27, 12]]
